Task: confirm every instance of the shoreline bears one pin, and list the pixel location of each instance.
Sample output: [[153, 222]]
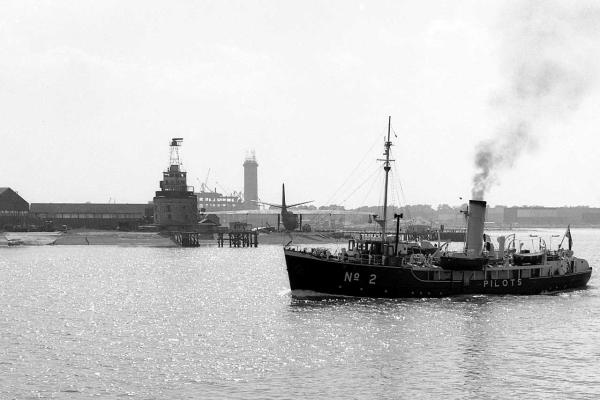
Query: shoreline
[[87, 238], [144, 239], [156, 239]]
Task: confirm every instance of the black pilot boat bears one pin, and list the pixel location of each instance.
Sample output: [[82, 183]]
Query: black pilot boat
[[392, 269]]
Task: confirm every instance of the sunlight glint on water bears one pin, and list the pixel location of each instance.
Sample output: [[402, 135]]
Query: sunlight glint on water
[[214, 323]]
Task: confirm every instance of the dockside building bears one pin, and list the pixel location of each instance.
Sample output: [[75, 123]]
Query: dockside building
[[14, 210], [92, 215]]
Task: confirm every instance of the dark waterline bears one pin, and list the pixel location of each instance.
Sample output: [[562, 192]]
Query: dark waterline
[[113, 322]]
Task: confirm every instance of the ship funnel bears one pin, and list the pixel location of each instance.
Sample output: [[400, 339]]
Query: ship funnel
[[475, 221]]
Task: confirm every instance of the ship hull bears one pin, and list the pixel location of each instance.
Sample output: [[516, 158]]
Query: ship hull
[[313, 276]]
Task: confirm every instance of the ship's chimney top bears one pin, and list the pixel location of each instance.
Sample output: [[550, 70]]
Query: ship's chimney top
[[475, 222]]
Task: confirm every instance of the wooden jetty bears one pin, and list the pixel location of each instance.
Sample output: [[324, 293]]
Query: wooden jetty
[[239, 234], [186, 239], [234, 238], [238, 238]]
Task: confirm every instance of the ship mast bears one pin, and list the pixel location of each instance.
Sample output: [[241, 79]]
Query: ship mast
[[386, 168]]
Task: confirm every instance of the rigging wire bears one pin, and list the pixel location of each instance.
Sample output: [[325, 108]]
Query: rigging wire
[[400, 204], [394, 200], [395, 183], [352, 173], [359, 186], [373, 179], [400, 195], [396, 173]]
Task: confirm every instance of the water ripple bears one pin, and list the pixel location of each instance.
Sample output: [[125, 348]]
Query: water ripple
[[147, 323]]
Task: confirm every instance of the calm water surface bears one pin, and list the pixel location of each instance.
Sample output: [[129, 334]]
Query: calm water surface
[[159, 323]]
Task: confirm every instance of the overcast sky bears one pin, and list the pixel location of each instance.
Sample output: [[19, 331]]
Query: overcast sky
[[92, 92]]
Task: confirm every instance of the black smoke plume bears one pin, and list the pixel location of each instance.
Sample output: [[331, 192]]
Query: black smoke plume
[[550, 50]]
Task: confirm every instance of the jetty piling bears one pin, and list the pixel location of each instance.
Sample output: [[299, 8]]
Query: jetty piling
[[234, 238], [186, 239], [238, 239]]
